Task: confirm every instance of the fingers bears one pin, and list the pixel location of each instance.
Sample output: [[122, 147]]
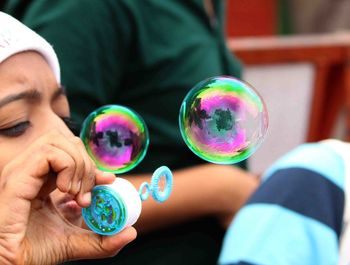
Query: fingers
[[53, 155], [87, 245], [56, 155], [82, 180], [32, 172], [90, 177], [81, 168], [87, 180]]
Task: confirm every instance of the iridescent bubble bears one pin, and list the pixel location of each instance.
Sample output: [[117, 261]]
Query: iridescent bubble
[[115, 137], [223, 120]]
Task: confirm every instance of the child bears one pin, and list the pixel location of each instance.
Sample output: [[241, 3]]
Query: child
[[38, 153]]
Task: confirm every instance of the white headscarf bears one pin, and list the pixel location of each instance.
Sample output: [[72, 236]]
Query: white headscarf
[[15, 37]]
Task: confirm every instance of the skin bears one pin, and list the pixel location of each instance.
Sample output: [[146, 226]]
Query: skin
[[39, 155]]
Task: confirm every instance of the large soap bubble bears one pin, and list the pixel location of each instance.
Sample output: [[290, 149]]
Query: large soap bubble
[[223, 120], [115, 137]]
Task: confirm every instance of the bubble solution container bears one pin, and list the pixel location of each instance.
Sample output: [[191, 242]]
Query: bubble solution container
[[113, 207], [118, 205]]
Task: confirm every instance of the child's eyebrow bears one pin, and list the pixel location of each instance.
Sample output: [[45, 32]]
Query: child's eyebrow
[[29, 95]]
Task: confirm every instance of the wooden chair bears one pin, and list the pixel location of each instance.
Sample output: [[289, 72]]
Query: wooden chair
[[330, 55]]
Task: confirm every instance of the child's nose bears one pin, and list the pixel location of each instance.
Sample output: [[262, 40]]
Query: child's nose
[[58, 123]]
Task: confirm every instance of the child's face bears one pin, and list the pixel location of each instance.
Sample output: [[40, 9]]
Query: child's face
[[31, 104]]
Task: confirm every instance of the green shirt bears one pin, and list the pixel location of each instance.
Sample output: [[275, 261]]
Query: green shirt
[[144, 54]]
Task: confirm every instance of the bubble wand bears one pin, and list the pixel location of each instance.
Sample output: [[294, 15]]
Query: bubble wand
[[118, 205]]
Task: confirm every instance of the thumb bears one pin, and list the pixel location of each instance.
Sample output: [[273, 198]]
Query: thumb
[[87, 245]]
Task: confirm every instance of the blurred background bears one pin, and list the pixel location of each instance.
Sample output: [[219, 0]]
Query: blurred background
[[296, 54], [285, 17]]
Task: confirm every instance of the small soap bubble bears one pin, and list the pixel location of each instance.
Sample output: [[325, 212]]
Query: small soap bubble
[[115, 137], [223, 120]]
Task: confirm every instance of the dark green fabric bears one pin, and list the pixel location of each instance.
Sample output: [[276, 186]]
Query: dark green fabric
[[144, 54], [284, 17]]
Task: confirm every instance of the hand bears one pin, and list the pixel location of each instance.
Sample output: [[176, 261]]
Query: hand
[[32, 231]]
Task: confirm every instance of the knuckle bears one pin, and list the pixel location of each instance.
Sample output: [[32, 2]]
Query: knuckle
[[62, 186]]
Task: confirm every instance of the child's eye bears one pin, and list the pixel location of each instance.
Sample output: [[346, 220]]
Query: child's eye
[[15, 130]]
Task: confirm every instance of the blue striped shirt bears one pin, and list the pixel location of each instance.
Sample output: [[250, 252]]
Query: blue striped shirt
[[297, 214]]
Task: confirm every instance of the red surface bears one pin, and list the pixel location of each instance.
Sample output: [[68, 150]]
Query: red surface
[[251, 17]]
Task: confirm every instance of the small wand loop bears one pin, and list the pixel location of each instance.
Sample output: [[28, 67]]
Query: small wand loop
[[159, 195]]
